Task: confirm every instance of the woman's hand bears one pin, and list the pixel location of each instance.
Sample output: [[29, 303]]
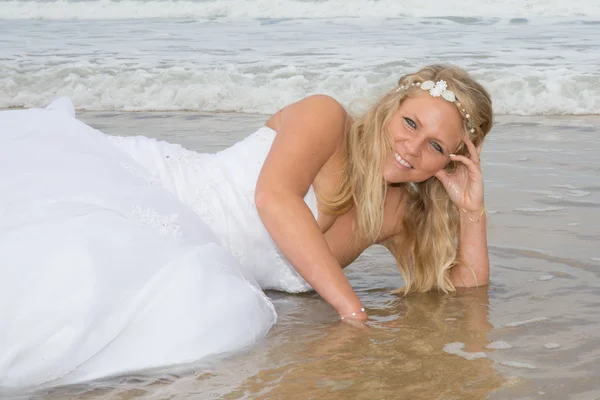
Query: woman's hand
[[465, 184]]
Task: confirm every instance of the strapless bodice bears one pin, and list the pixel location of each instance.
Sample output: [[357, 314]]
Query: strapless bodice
[[220, 188]]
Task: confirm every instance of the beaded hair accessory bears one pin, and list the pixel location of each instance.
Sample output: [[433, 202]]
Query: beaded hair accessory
[[440, 89]]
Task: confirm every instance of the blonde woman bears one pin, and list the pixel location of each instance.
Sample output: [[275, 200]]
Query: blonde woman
[[406, 175], [118, 246]]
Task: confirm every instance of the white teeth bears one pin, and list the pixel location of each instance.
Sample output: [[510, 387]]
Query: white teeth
[[402, 161]]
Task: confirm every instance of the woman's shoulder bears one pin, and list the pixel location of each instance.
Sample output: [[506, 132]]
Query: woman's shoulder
[[318, 113], [321, 102]]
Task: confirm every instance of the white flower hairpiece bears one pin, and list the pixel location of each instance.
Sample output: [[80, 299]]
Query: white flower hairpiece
[[440, 88]]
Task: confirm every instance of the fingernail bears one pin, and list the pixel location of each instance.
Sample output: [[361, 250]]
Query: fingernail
[[452, 155]]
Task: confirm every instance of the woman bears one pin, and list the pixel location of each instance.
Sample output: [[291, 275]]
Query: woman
[[124, 254], [414, 134]]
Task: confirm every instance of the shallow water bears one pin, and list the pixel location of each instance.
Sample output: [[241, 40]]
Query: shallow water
[[537, 324]]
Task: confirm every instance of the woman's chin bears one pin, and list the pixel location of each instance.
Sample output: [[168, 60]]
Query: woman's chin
[[399, 177], [395, 176]]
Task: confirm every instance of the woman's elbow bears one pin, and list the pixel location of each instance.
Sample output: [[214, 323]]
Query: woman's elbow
[[268, 200]]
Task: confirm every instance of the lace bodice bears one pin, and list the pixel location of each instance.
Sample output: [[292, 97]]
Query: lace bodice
[[220, 188]]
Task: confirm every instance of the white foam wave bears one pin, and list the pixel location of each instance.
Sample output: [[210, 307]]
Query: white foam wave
[[529, 91], [235, 88], [136, 9]]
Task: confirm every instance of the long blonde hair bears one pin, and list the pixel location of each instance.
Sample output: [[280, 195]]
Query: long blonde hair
[[427, 249]]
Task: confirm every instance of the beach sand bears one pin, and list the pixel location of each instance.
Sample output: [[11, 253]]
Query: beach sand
[[532, 334]]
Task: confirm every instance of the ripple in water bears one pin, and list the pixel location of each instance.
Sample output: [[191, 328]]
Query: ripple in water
[[552, 346], [516, 364], [456, 348], [499, 345], [571, 187], [539, 209], [527, 321], [578, 193], [546, 278]]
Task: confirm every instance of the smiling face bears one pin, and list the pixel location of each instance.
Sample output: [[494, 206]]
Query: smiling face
[[425, 130]]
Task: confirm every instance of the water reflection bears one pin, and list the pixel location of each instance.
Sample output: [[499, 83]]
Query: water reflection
[[399, 355]]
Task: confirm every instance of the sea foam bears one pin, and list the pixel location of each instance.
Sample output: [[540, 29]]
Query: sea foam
[[236, 88]]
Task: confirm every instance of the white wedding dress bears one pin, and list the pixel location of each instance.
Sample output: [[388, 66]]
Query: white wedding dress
[[121, 254]]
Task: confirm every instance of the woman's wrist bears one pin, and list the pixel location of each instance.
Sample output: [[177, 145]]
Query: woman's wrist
[[359, 314], [473, 215]]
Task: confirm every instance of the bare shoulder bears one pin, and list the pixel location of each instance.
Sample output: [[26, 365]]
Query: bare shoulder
[[309, 134], [319, 115]]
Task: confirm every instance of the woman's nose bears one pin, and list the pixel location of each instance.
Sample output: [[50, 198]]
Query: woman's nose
[[413, 146]]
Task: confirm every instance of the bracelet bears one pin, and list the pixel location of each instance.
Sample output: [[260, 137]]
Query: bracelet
[[362, 310], [478, 218]]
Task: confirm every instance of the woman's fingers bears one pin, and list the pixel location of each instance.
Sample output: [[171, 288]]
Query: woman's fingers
[[468, 162], [473, 151]]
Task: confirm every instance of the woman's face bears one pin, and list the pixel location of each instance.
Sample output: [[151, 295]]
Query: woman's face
[[425, 131]]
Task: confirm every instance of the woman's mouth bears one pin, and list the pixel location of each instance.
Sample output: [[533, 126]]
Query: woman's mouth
[[401, 162]]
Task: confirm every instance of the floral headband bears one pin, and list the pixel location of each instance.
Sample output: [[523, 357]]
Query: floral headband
[[440, 88]]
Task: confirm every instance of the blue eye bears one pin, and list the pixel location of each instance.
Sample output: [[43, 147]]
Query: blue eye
[[410, 122], [437, 147]]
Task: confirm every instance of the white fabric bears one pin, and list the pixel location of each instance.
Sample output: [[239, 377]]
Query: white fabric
[[119, 258]]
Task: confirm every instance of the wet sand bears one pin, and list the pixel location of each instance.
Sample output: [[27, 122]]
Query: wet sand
[[533, 333]]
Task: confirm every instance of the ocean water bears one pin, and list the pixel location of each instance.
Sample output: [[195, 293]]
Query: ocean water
[[537, 57], [207, 73]]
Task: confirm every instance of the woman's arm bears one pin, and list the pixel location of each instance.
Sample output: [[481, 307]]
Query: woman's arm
[[465, 188], [308, 134], [473, 251]]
